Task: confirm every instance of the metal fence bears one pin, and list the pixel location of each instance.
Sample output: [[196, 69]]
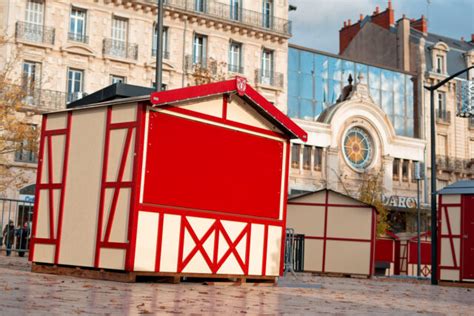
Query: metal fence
[[294, 251], [15, 218]]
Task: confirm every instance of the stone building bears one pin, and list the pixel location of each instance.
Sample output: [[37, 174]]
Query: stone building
[[67, 49], [407, 45], [357, 124]]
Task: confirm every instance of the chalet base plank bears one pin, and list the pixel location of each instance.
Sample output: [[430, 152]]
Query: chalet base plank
[[159, 277]]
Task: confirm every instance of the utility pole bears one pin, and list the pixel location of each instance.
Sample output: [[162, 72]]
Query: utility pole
[[159, 47]]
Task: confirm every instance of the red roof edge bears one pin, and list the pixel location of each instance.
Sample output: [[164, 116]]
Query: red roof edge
[[239, 85]]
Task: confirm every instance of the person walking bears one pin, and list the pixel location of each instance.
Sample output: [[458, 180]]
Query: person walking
[[22, 235], [9, 236]]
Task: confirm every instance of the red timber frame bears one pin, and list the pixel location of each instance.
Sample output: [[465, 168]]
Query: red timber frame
[[103, 239], [325, 238], [214, 263], [50, 186], [443, 214]]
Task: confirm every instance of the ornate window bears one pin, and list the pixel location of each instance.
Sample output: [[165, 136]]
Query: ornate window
[[358, 148]]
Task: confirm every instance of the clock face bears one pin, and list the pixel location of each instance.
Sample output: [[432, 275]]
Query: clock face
[[358, 148]]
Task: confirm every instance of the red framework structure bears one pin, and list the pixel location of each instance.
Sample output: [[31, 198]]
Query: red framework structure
[[152, 201]]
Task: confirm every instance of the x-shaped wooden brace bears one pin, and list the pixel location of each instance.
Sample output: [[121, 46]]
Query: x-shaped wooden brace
[[232, 247], [199, 245]]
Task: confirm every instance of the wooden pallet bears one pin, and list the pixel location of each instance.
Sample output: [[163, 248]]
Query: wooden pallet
[[341, 275], [457, 284], [163, 277]]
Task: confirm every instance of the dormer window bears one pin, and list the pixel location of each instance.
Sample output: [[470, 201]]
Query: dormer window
[[439, 54], [439, 64]]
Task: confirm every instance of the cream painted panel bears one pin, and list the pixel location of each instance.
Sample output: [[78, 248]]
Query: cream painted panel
[[117, 143], [119, 229], [44, 253], [256, 249], [240, 111], [200, 225], [83, 187], [57, 202], [210, 106], [313, 255], [336, 198], [451, 199], [109, 195], [317, 197], [56, 121], [147, 235], [446, 252], [42, 224], [45, 169], [347, 257], [112, 258], [233, 229], [197, 264], [58, 143], [454, 220], [449, 275], [170, 243], [128, 170], [349, 222], [305, 219], [124, 113], [273, 250], [231, 266]]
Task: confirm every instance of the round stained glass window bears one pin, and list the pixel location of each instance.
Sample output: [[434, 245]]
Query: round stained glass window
[[358, 148]]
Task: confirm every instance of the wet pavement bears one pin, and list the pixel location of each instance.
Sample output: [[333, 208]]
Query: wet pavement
[[23, 292]]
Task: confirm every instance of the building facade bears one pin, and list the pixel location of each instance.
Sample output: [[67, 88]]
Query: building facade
[[66, 49], [360, 120], [407, 45]]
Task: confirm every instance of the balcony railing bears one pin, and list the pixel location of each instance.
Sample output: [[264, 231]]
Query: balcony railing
[[269, 78], [166, 54], [120, 49], [35, 33], [219, 10], [78, 37], [74, 96], [443, 116], [451, 164], [236, 68], [43, 99]]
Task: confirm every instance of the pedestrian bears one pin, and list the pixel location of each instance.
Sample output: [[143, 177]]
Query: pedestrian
[[9, 236], [22, 239]]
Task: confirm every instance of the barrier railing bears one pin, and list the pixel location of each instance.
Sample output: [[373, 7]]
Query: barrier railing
[[15, 219]]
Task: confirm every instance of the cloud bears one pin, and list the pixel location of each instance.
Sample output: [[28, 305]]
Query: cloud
[[316, 23]]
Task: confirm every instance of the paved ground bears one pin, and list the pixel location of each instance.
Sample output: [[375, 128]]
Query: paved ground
[[23, 292]]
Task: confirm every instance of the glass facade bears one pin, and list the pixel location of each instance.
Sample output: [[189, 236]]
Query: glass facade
[[315, 82]]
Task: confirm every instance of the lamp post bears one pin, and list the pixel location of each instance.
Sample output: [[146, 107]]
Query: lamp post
[[159, 47], [434, 220]]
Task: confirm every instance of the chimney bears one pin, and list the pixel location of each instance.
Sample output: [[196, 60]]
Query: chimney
[[347, 34], [361, 17], [421, 24], [472, 38], [403, 44], [384, 19]]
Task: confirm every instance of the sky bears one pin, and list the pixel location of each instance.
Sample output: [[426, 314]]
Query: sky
[[316, 23]]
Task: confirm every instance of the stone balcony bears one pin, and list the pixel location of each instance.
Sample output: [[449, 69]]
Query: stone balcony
[[34, 33]]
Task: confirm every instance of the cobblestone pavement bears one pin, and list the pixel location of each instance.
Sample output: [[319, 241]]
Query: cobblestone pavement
[[23, 292]]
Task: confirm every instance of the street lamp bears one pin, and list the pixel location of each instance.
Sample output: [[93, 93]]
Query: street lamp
[[434, 229], [159, 47]]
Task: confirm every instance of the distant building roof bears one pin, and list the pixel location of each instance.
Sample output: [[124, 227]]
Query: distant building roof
[[460, 187]]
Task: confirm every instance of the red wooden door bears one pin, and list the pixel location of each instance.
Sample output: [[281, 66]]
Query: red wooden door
[[468, 238]]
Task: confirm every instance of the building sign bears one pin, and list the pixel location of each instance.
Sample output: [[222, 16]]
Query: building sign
[[399, 201]]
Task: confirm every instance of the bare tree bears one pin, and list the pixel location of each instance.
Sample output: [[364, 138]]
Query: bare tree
[[15, 134]]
